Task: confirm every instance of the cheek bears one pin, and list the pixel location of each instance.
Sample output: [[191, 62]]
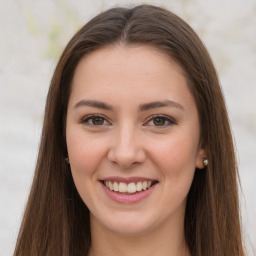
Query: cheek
[[176, 156], [84, 153]]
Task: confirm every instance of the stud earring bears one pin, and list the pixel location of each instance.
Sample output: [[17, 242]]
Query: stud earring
[[205, 162], [67, 160]]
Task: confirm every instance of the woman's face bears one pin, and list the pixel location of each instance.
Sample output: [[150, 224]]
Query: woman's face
[[133, 138]]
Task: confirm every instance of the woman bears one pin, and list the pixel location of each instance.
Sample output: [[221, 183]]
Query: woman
[[136, 155]]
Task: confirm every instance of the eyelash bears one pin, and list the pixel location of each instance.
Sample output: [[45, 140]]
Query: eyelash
[[170, 121], [89, 118]]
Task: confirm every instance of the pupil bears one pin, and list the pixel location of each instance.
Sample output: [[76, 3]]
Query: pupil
[[159, 121], [97, 121]]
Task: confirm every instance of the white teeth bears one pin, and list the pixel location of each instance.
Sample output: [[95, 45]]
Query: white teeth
[[122, 187], [116, 186], [139, 186], [131, 188], [110, 185], [144, 185], [128, 188]]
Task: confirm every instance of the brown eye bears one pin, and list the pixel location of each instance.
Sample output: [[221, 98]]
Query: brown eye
[[95, 120], [159, 121]]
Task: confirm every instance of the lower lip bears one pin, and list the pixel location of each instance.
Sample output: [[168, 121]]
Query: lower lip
[[126, 198]]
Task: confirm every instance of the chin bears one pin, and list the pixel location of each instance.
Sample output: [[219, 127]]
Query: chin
[[129, 229], [125, 223]]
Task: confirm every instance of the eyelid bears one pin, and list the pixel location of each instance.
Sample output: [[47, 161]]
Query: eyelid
[[167, 118], [88, 117], [171, 121]]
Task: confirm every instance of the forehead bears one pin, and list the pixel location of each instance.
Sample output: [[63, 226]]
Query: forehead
[[122, 57], [129, 72]]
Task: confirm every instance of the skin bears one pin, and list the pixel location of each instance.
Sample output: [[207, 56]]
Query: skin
[[128, 142]]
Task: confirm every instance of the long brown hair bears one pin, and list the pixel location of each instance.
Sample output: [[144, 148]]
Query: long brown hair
[[56, 221]]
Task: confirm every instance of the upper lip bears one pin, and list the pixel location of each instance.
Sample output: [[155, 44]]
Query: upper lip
[[126, 179]]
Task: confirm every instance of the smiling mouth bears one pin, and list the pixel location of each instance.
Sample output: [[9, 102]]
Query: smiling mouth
[[128, 188]]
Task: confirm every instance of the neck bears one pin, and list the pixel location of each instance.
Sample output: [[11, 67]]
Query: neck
[[163, 241]]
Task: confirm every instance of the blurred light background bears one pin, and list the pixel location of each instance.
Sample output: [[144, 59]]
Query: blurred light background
[[32, 36]]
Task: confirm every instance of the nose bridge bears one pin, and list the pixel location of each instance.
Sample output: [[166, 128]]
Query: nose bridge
[[127, 148]]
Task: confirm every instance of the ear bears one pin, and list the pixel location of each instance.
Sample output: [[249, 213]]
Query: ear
[[201, 155]]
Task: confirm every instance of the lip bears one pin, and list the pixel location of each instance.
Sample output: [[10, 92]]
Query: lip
[[128, 198]]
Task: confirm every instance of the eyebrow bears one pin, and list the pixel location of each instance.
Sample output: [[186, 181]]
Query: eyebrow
[[94, 104], [142, 107], [160, 104]]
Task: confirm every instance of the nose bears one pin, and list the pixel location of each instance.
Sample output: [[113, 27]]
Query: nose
[[126, 148]]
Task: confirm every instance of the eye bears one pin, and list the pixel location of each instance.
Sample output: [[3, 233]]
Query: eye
[[160, 121], [95, 120]]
